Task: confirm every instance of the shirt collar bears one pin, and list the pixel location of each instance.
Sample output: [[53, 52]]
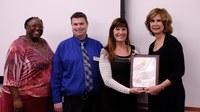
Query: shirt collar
[[78, 41]]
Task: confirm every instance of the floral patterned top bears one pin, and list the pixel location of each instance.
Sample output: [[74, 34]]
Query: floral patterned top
[[28, 66]]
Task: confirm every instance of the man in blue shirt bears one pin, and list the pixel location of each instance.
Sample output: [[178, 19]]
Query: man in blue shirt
[[68, 75]]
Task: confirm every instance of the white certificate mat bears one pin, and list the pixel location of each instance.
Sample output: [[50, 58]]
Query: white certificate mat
[[144, 70]]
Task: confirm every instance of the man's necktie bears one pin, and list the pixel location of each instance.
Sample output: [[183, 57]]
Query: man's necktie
[[87, 68]]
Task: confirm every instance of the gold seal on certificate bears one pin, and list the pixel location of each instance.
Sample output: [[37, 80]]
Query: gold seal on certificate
[[144, 70]]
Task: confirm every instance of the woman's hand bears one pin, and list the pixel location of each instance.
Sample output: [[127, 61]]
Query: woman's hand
[[18, 105], [154, 90], [17, 101], [137, 90]]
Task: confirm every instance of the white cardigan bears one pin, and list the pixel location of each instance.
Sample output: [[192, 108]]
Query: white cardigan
[[106, 74]]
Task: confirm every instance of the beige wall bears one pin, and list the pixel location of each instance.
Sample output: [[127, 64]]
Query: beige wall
[[56, 17]]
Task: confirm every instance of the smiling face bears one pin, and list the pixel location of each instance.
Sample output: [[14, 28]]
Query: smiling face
[[156, 25], [79, 27], [120, 34], [34, 29], [159, 21]]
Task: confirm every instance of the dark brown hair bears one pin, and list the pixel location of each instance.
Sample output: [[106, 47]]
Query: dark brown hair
[[79, 15], [111, 45]]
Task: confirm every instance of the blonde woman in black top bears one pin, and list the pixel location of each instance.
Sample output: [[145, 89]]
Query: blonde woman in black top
[[169, 94]]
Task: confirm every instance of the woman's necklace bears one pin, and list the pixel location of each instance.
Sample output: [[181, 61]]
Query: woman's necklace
[[123, 51], [39, 46], [34, 43], [158, 43]]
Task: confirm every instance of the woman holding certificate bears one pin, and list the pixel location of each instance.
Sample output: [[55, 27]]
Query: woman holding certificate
[[169, 94], [114, 63]]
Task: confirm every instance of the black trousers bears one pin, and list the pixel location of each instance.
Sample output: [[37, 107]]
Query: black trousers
[[85, 103]]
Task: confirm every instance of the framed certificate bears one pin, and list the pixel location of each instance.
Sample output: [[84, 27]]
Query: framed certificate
[[144, 70]]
